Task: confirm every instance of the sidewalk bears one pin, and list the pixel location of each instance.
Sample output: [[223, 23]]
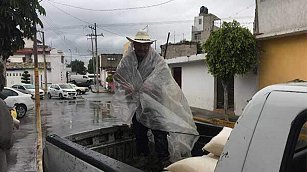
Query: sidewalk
[[215, 117], [22, 156]]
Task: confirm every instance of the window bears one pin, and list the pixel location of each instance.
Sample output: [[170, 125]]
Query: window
[[199, 21], [111, 59], [13, 74], [15, 86], [8, 92], [21, 87], [295, 155], [302, 139]]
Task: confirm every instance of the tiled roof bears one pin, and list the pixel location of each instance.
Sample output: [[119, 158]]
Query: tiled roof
[[21, 65], [28, 51]]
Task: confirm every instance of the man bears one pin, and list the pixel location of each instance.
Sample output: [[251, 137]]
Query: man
[[149, 97], [6, 127]]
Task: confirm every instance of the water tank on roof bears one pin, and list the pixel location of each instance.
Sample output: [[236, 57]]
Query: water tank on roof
[[203, 10]]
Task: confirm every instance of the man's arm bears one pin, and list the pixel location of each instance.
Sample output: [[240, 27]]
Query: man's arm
[[6, 127]]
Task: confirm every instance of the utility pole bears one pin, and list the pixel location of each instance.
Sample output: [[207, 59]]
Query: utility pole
[[96, 56], [97, 61], [45, 63], [166, 44], [93, 59], [39, 149]]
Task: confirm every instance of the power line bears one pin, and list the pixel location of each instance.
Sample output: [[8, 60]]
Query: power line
[[68, 13], [114, 9], [85, 21], [236, 13], [141, 23], [69, 42]]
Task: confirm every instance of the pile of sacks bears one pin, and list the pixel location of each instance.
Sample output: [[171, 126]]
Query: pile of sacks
[[206, 163]]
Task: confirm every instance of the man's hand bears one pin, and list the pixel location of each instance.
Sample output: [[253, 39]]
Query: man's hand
[[147, 88]]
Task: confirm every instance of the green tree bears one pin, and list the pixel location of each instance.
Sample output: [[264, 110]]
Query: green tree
[[78, 66], [90, 67], [231, 50], [25, 77], [18, 20]]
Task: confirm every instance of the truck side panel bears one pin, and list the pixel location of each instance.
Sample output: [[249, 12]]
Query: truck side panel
[[270, 138], [258, 141], [57, 159], [233, 156]]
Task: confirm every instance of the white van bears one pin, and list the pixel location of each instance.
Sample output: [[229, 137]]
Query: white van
[[79, 79]]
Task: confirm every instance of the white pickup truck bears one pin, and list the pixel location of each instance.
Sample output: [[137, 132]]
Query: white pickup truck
[[270, 136]]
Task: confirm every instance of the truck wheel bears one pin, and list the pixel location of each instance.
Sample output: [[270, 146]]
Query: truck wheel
[[21, 110], [49, 96], [61, 96], [78, 92]]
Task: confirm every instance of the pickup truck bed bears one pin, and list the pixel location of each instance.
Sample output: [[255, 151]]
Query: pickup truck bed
[[105, 147]]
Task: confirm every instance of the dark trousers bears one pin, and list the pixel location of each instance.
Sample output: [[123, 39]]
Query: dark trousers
[[160, 137]]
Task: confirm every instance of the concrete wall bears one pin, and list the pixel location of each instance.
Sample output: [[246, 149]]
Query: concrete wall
[[281, 17], [244, 89], [198, 85], [14, 77], [179, 49], [282, 60]]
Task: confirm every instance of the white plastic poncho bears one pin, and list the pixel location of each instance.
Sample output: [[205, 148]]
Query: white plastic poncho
[[150, 92]]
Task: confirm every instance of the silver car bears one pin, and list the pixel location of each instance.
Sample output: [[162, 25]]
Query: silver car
[[21, 101], [28, 89], [62, 91]]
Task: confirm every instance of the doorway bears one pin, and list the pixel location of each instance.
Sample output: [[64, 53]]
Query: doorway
[[177, 74]]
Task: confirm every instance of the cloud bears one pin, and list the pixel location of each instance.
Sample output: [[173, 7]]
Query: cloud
[[66, 27]]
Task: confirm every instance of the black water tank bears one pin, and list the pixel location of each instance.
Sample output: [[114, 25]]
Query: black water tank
[[203, 10]]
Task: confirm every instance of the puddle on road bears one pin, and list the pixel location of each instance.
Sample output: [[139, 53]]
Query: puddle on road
[[101, 112]]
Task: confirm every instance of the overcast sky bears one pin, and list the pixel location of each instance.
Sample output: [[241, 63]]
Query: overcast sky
[[66, 21]]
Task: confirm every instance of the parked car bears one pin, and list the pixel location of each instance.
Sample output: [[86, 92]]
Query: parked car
[[28, 89], [80, 90], [61, 91], [79, 79], [22, 102]]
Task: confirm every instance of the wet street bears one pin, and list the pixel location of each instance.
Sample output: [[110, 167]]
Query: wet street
[[61, 117]]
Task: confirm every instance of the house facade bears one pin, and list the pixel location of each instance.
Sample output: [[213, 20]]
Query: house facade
[[203, 90], [281, 31], [23, 60], [108, 64]]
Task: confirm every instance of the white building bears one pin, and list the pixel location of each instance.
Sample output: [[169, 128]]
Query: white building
[[23, 60], [201, 88]]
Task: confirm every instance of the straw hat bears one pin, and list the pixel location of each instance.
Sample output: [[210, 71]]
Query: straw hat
[[141, 37]]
